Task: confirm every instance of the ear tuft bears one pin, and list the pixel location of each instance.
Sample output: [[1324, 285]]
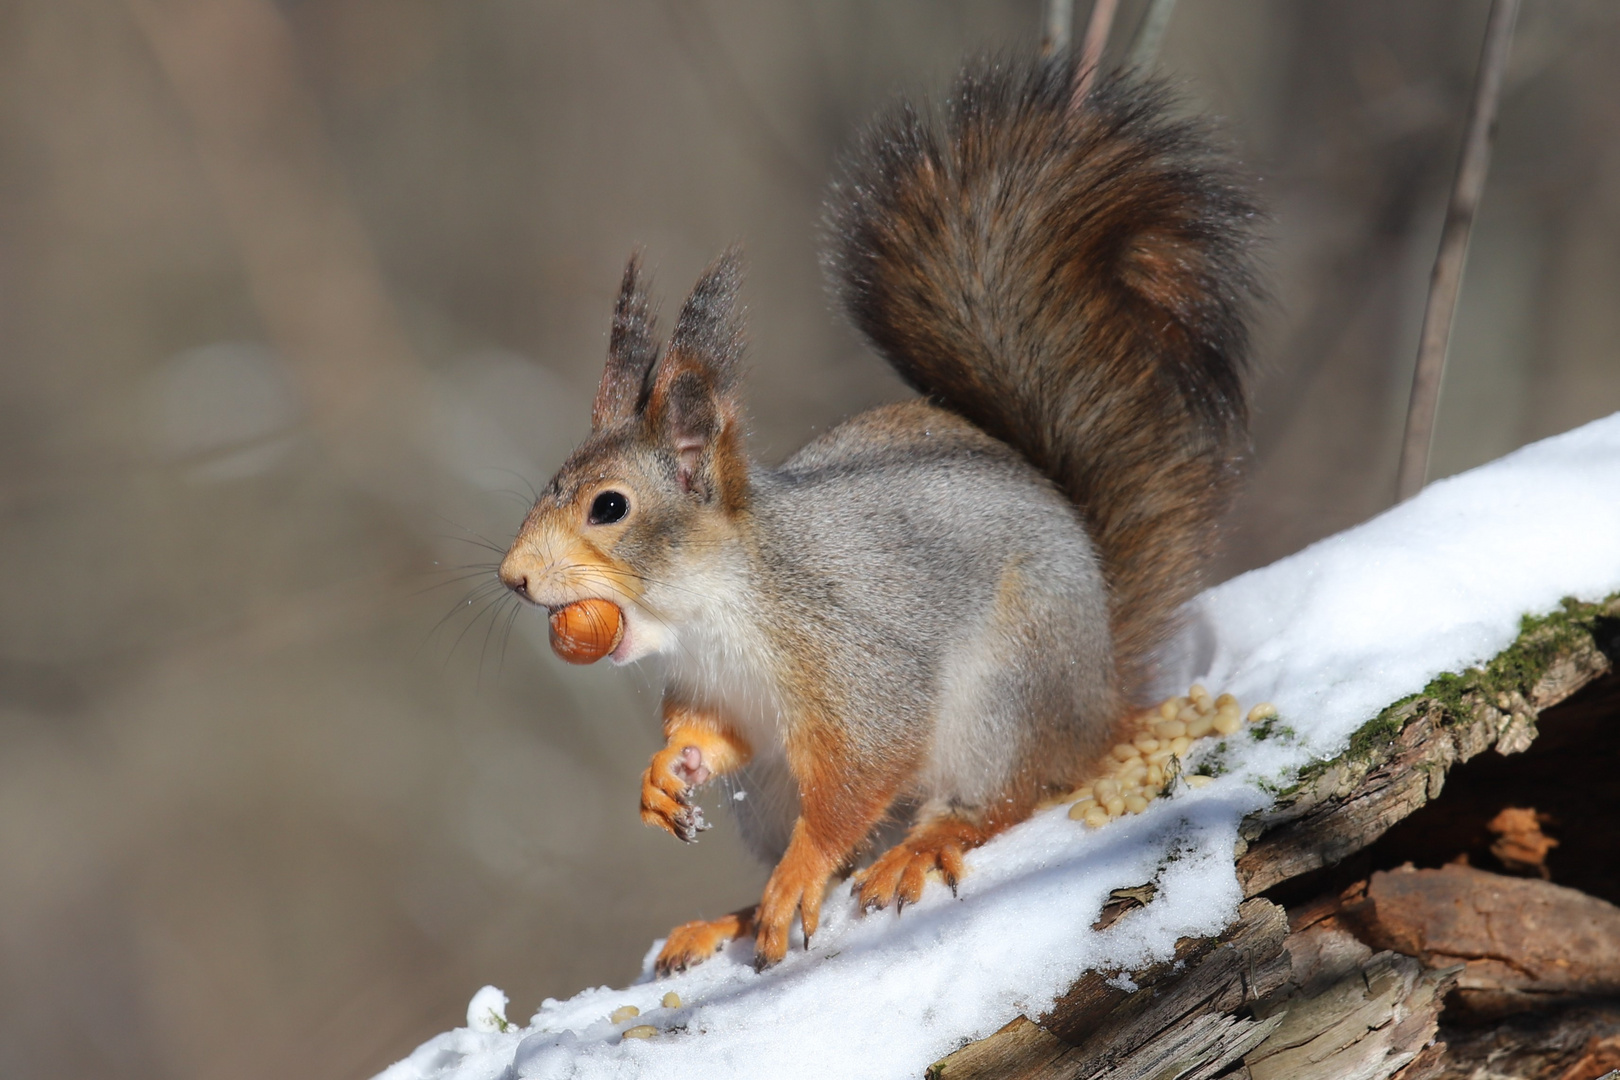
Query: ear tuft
[[632, 351], [709, 332]]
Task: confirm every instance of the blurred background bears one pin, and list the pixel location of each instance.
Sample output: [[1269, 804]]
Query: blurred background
[[296, 300]]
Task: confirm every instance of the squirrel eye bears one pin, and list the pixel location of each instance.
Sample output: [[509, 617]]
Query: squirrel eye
[[608, 507]]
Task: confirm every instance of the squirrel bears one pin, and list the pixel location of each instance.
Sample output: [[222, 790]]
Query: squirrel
[[934, 614]]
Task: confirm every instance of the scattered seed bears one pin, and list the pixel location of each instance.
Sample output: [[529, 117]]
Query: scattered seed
[[1263, 711], [1198, 780], [1096, 816], [640, 1031], [623, 1013], [672, 1000]]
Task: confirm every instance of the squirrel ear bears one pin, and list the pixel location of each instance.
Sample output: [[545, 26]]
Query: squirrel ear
[[632, 349], [692, 403]]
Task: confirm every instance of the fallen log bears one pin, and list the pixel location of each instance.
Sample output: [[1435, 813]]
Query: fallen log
[[1264, 1001]]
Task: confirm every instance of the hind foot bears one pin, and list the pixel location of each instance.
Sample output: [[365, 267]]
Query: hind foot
[[899, 874]]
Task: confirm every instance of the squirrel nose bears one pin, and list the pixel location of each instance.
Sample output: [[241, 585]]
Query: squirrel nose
[[514, 578]]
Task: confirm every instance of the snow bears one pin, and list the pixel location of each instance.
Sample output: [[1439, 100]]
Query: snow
[[487, 1010], [1331, 635]]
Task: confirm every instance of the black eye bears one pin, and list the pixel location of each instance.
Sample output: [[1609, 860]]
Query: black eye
[[608, 507]]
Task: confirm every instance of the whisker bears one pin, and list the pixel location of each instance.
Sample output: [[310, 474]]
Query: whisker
[[461, 605], [457, 580], [475, 542], [457, 525], [506, 636], [478, 615], [534, 496]]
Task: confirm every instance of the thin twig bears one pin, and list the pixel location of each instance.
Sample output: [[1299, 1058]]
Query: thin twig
[[1150, 34], [1059, 27], [1446, 282], [1091, 50]]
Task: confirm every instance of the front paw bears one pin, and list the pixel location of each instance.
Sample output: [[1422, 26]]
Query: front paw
[[694, 942], [666, 791]]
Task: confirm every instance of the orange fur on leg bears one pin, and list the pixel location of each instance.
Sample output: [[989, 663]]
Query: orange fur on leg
[[694, 942], [698, 748], [841, 797], [898, 876]]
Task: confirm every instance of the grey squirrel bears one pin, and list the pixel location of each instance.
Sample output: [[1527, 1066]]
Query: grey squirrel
[[938, 609]]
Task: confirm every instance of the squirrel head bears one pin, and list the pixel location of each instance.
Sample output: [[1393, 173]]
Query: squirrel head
[[659, 483]]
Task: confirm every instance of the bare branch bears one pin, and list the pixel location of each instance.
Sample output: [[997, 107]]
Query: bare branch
[[1059, 27], [1091, 50], [1446, 282], [310, 267], [1150, 34]]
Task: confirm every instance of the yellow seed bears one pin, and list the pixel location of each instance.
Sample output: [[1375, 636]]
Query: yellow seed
[[1261, 712], [1198, 693], [1189, 714], [1145, 743], [1226, 701], [1160, 757], [1136, 804], [1079, 810], [1169, 709], [1170, 729], [623, 1013], [640, 1031], [1200, 727], [1105, 789], [1155, 776], [1199, 781], [1179, 747], [672, 1000], [1124, 752], [1096, 817], [1114, 806], [1080, 794], [1227, 724]]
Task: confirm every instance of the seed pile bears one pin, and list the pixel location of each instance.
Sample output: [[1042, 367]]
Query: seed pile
[[1139, 771]]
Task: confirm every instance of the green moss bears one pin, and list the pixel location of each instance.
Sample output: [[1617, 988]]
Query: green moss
[[1273, 727], [1214, 763], [1451, 696]]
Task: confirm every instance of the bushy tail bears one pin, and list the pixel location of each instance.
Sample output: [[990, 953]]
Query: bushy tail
[[1075, 281]]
